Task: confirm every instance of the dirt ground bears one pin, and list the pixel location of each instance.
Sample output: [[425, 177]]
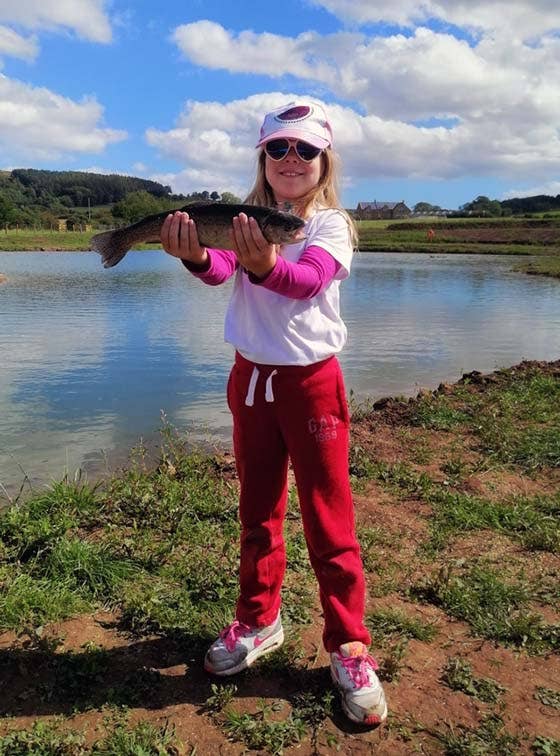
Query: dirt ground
[[175, 688]]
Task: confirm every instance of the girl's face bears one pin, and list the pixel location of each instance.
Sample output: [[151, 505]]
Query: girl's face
[[292, 178]]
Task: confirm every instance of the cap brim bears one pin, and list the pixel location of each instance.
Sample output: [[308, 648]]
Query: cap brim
[[305, 136]]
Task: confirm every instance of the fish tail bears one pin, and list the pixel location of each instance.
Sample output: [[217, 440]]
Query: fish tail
[[112, 247]]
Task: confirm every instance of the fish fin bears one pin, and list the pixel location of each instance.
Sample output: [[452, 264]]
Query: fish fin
[[110, 246]]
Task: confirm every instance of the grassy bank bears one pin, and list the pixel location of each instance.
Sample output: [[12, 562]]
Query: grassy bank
[[109, 594], [516, 237], [469, 236]]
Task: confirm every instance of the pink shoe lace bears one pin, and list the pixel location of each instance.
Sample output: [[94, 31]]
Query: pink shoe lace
[[231, 634], [357, 668]]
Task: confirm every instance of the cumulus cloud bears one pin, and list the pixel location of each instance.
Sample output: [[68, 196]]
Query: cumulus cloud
[[38, 124], [518, 18], [17, 46], [216, 141], [550, 188], [435, 106], [87, 18]]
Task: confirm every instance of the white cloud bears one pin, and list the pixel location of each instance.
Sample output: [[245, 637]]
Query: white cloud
[[38, 124], [13, 44], [518, 18], [551, 188], [87, 18], [502, 98], [209, 44]]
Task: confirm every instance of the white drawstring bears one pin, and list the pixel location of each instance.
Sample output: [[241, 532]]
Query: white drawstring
[[268, 395], [250, 398]]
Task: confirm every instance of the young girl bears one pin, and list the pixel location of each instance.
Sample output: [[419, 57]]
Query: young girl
[[287, 397]]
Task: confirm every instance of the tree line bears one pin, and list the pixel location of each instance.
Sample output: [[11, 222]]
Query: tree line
[[485, 207], [31, 197]]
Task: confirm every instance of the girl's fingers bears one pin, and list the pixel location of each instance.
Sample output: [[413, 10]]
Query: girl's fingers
[[164, 232]]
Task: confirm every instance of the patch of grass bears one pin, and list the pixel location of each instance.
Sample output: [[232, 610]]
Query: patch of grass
[[87, 568], [142, 739], [28, 529], [548, 697], [438, 412], [492, 607], [222, 696], [27, 602], [260, 730], [387, 623], [542, 746], [519, 423], [43, 739], [488, 738], [391, 662], [53, 739], [532, 520], [80, 679], [458, 675]]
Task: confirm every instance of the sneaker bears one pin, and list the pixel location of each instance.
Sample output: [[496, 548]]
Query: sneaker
[[353, 673], [239, 645]]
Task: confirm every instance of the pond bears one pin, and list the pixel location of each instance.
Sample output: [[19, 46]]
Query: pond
[[92, 359]]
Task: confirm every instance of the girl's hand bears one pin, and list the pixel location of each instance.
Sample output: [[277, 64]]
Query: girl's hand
[[253, 251], [180, 239]]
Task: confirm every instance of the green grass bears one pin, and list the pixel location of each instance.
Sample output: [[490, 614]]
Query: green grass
[[515, 236], [493, 607], [488, 738], [50, 739], [458, 675]]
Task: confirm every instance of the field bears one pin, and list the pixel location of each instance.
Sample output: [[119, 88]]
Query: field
[[110, 593], [470, 236]]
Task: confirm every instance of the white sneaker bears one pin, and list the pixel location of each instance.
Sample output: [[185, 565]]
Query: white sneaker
[[239, 645], [353, 673]]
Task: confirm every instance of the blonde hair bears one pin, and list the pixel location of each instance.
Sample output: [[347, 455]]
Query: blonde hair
[[325, 194]]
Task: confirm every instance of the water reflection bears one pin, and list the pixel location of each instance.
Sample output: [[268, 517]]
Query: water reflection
[[90, 358]]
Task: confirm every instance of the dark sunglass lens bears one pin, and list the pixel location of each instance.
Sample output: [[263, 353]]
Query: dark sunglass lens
[[307, 151], [277, 148]]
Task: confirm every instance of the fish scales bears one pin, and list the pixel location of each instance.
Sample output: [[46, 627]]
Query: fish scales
[[213, 223]]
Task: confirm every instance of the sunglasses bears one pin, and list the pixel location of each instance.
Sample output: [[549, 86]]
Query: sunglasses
[[277, 149]]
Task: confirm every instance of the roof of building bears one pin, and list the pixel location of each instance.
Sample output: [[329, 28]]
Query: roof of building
[[378, 205]]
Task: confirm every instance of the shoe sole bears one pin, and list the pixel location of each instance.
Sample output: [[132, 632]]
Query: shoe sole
[[269, 644], [374, 720]]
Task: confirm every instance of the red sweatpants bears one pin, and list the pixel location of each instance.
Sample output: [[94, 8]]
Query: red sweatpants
[[300, 413]]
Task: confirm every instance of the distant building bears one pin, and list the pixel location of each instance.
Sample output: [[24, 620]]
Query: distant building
[[386, 210]]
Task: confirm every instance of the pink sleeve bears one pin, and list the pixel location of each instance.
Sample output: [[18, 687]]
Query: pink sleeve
[[221, 265], [303, 279]]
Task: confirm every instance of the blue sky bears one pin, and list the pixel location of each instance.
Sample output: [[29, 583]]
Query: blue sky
[[430, 100]]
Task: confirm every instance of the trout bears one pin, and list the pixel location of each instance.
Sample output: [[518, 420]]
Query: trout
[[213, 224]]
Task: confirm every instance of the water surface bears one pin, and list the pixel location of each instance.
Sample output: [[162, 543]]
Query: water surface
[[90, 358]]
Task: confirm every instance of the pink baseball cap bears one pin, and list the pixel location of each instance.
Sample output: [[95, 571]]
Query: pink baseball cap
[[298, 120]]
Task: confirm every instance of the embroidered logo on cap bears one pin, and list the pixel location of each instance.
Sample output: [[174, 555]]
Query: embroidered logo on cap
[[294, 114]]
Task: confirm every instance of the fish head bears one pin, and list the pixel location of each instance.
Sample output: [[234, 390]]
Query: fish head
[[280, 227]]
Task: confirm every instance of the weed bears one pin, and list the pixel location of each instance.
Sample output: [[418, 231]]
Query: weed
[[222, 696], [532, 520], [438, 413], [546, 746], [548, 697], [458, 675], [42, 738], [385, 623], [488, 738], [260, 731], [392, 660], [142, 739], [28, 602], [494, 609]]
